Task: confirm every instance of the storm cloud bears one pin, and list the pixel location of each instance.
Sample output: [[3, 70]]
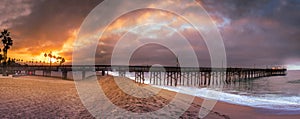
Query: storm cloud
[[262, 32], [255, 32]]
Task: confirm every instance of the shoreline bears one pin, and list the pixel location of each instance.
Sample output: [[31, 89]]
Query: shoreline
[[220, 110], [235, 99]]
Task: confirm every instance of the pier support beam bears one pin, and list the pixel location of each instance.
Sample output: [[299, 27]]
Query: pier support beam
[[83, 74], [155, 77], [64, 74], [139, 77], [103, 72]]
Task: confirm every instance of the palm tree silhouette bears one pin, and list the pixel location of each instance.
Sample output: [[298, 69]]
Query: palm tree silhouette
[[1, 57], [7, 43], [62, 61], [50, 57]]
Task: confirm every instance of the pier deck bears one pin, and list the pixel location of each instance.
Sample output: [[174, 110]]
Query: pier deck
[[172, 76]]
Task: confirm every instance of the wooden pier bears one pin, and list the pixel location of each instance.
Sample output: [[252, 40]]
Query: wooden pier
[[191, 76], [171, 76]]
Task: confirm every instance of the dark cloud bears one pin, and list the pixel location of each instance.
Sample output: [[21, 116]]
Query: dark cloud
[[262, 32], [151, 54], [12, 10]]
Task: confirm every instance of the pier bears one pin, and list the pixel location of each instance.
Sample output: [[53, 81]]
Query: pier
[[171, 76]]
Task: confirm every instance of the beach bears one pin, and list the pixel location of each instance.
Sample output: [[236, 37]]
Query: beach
[[45, 97]]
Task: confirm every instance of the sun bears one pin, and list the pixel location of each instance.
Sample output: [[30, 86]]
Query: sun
[[53, 59], [46, 59]]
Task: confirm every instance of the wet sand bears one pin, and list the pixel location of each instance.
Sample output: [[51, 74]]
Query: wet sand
[[43, 97]]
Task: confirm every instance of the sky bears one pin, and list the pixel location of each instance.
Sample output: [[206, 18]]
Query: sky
[[257, 33]]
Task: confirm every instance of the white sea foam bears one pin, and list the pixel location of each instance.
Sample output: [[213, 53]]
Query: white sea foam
[[268, 101], [263, 101]]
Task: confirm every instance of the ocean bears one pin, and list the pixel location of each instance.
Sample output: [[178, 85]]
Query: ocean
[[278, 93]]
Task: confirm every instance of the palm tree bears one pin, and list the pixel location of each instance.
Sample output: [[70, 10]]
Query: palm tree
[[1, 58], [45, 55], [7, 43], [62, 61], [50, 57]]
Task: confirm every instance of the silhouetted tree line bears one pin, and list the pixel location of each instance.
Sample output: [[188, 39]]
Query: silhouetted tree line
[[59, 59], [7, 43]]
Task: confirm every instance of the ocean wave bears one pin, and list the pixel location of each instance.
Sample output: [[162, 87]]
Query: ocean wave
[[277, 102], [267, 101]]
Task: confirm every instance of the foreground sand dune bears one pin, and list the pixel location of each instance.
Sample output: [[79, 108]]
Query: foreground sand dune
[[41, 97]]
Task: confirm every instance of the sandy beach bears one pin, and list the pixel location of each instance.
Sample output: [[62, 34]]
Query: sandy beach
[[44, 97]]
